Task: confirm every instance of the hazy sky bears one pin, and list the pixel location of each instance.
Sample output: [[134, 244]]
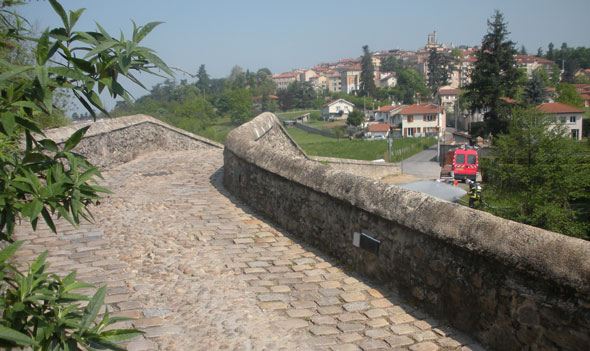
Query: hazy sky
[[283, 35]]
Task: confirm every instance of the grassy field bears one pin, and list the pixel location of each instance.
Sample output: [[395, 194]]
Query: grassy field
[[293, 114], [317, 145]]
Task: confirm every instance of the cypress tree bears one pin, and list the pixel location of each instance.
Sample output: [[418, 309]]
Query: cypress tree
[[367, 87]]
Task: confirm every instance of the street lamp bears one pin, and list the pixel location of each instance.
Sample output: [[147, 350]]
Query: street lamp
[[390, 142]]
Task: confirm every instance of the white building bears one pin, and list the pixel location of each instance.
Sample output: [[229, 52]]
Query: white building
[[569, 115], [337, 109], [423, 120]]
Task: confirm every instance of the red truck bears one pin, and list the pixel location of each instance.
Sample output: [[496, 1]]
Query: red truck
[[460, 164]]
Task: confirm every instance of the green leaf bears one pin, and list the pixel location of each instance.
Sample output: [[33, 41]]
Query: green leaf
[[121, 334], [84, 65], [42, 75], [145, 30], [8, 122], [75, 139], [14, 71], [9, 250], [59, 34], [93, 307], [39, 262], [74, 16], [101, 47], [15, 336], [103, 344], [42, 48], [157, 62], [49, 144], [77, 285], [61, 12], [28, 124], [32, 208], [48, 220]]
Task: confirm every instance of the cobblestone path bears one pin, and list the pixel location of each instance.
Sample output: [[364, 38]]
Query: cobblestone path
[[199, 271]]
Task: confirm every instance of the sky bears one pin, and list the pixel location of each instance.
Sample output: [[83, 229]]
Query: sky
[[283, 35]]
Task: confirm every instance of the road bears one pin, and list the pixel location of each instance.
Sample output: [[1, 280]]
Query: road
[[423, 164]]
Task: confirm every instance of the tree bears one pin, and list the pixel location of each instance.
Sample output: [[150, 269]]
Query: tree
[[355, 118], [237, 104], [539, 52], [338, 133], [456, 53], [494, 76], [523, 50], [410, 84], [38, 178], [203, 80], [391, 64], [549, 55], [534, 91], [538, 171], [567, 94], [367, 78], [438, 70]]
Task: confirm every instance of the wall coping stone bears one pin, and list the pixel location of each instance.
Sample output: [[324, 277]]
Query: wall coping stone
[[108, 125], [544, 254]]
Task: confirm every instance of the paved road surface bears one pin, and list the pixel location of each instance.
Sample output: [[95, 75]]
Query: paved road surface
[[199, 271], [422, 164]]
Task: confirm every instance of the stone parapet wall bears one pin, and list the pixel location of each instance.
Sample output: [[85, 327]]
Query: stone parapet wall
[[511, 286], [110, 142], [368, 169]]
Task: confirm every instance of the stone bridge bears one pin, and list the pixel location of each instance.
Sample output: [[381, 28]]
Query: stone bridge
[[253, 248]]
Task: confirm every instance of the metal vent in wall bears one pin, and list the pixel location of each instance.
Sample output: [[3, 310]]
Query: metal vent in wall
[[366, 242]]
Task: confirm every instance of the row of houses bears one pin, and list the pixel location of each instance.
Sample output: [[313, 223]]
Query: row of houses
[[431, 119], [344, 75]]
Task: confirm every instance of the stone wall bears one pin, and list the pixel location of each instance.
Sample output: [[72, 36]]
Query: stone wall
[[368, 169], [110, 142], [512, 286]]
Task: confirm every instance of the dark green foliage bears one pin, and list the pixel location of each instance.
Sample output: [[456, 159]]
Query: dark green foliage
[[391, 64], [534, 91], [567, 94], [410, 85], [438, 70], [297, 96], [539, 173], [39, 179], [203, 81], [355, 118], [494, 76], [367, 78]]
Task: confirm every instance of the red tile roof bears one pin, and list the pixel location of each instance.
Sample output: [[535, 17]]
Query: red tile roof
[[449, 91], [386, 108], [558, 107], [509, 100], [286, 75], [379, 127], [531, 59], [421, 109]]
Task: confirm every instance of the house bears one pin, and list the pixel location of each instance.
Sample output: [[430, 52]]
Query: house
[[569, 115], [389, 114], [422, 120], [337, 109], [284, 79], [387, 80], [334, 81], [351, 79], [302, 118], [531, 63], [378, 131], [448, 96], [319, 82]]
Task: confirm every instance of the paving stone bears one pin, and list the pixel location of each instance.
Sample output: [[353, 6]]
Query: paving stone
[[323, 330], [345, 347], [323, 320], [280, 289], [424, 346], [370, 345], [401, 319], [350, 337], [299, 313], [353, 296], [351, 327], [377, 323], [293, 324], [425, 335], [399, 341], [381, 303], [448, 343], [330, 284], [351, 316], [403, 329], [377, 333], [356, 306], [329, 310]]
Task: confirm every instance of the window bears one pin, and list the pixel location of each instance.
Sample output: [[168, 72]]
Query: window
[[410, 118], [470, 159], [575, 134], [460, 159], [430, 118], [561, 119], [573, 119]]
